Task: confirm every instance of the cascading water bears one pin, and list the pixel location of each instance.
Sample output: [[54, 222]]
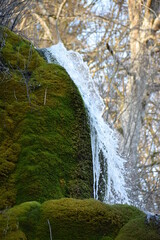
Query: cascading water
[[108, 170]]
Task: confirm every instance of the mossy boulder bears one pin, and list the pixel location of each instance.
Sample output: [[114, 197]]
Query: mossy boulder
[[45, 150], [75, 219], [138, 229]]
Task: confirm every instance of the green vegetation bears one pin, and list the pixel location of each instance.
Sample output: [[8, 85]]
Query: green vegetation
[[44, 133], [138, 229], [75, 219]]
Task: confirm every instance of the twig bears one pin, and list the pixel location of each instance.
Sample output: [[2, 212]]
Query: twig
[[50, 229], [60, 9], [45, 96], [118, 60], [57, 18]]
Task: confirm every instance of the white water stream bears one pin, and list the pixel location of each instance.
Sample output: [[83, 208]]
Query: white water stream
[[108, 166]]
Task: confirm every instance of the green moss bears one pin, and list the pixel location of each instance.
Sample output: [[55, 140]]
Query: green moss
[[12, 219], [17, 52], [137, 229], [129, 212], [74, 219], [45, 147], [79, 219], [17, 235]]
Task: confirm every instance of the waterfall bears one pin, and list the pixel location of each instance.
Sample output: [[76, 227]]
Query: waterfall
[[108, 166]]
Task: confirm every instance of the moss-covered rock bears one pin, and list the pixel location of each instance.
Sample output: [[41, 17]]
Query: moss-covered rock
[[75, 219], [138, 229], [44, 133]]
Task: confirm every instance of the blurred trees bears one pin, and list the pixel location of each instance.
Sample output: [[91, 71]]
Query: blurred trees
[[120, 40], [37, 19], [141, 90], [139, 123], [12, 12]]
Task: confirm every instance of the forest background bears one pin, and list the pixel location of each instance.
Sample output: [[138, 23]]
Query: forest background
[[120, 41]]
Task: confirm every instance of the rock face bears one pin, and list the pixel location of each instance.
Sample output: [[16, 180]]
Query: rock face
[[45, 157], [44, 133]]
